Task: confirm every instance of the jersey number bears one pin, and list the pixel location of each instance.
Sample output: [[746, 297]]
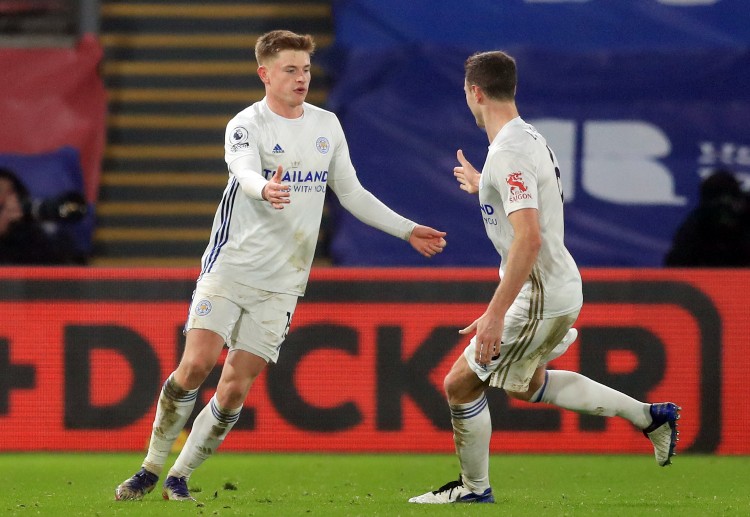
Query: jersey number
[[557, 174]]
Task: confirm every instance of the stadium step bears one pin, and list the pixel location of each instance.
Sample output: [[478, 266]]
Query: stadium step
[[176, 72]]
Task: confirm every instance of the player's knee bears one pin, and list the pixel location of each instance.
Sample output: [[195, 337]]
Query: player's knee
[[462, 386], [191, 373], [231, 394], [450, 385]]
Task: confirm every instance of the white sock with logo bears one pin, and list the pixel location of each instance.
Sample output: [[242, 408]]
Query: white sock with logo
[[472, 429]]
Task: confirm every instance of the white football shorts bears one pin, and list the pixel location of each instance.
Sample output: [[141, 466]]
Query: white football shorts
[[250, 319], [526, 344]]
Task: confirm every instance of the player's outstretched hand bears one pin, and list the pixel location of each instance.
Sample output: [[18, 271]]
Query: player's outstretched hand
[[427, 241], [276, 192], [466, 174]]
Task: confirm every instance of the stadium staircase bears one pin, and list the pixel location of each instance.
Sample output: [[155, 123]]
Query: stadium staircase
[[176, 72]]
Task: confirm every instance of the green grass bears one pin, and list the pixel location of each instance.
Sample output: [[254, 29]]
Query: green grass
[[71, 485]]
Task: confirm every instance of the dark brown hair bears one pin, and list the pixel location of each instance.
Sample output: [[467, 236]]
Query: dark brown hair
[[494, 72]]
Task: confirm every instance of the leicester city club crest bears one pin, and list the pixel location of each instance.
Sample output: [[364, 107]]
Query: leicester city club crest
[[203, 307], [322, 145]]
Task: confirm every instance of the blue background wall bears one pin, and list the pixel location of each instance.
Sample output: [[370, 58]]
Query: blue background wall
[[639, 98]]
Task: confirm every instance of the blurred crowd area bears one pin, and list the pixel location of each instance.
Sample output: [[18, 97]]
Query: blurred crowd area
[[37, 20]]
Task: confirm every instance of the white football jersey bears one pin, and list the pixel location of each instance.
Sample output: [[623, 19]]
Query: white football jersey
[[521, 171], [252, 243]]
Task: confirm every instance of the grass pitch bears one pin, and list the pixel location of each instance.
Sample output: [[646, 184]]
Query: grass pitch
[[67, 485]]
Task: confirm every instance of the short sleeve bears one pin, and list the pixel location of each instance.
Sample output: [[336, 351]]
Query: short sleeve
[[513, 176]]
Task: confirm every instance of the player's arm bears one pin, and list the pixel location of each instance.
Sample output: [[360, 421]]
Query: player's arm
[[363, 205], [358, 201], [466, 174], [256, 186], [522, 255], [242, 155]]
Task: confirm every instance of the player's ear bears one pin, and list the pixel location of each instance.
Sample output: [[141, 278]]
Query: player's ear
[[263, 73], [477, 92]]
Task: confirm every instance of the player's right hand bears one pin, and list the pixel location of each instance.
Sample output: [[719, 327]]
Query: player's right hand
[[427, 241], [466, 174], [489, 333], [276, 192]]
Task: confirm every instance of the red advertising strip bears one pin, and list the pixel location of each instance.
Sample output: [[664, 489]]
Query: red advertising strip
[[83, 353]]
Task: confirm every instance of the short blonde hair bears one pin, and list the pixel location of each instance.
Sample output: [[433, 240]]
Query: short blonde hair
[[271, 43]]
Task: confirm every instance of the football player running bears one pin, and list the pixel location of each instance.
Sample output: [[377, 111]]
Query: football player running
[[282, 154]]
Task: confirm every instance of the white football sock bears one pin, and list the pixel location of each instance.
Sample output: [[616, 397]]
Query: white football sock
[[210, 428], [172, 411], [472, 429], [571, 390]]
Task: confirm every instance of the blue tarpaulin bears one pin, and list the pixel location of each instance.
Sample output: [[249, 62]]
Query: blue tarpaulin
[[640, 99]]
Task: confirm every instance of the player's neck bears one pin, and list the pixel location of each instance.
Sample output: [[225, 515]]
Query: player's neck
[[496, 116]]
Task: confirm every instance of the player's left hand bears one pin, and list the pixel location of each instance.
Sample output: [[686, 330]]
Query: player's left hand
[[466, 174], [427, 241], [275, 192]]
